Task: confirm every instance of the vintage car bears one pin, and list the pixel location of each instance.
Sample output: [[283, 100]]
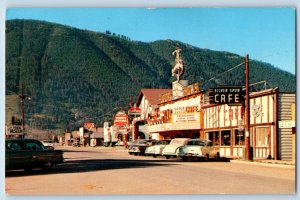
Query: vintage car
[[200, 149], [172, 149], [157, 148], [48, 144], [29, 153], [139, 146]]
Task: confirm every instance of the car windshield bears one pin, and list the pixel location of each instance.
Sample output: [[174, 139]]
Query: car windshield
[[163, 142], [143, 142], [33, 146], [197, 142], [15, 146], [177, 142]]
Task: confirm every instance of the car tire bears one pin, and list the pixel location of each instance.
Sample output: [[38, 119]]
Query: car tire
[[154, 156], [168, 157], [184, 158], [201, 159], [207, 157], [217, 156], [28, 169], [47, 166]]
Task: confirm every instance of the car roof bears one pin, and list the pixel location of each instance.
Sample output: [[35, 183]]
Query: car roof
[[20, 139], [200, 140], [181, 139]]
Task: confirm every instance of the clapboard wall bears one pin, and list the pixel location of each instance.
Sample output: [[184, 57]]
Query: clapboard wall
[[285, 102]]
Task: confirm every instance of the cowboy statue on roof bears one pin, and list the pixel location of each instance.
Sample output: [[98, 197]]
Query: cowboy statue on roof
[[178, 67]]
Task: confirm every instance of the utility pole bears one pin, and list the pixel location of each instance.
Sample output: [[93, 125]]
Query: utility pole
[[247, 112], [22, 97]]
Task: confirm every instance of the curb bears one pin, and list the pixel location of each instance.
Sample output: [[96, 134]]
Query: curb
[[287, 166]]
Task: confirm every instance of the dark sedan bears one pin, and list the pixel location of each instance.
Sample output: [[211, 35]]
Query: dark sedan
[[29, 153]]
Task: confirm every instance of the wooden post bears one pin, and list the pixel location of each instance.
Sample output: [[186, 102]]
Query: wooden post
[[22, 97], [247, 112]]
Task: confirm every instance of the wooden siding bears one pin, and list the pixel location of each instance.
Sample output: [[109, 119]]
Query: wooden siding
[[285, 102]]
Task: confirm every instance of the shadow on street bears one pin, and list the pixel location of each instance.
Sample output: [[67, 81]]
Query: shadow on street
[[76, 166]]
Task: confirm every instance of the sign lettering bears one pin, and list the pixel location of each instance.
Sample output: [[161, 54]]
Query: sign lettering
[[226, 95]]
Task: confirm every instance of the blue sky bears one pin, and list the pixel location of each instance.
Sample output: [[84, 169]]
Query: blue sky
[[266, 34]]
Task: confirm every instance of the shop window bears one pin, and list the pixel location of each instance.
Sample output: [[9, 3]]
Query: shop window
[[225, 138], [120, 137], [195, 135], [214, 138], [239, 137], [262, 136]]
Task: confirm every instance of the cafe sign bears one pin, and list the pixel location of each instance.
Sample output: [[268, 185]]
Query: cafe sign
[[226, 95]]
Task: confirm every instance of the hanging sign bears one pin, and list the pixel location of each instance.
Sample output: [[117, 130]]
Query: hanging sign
[[226, 95]]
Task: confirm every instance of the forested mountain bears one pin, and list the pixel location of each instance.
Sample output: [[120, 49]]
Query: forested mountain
[[75, 75]]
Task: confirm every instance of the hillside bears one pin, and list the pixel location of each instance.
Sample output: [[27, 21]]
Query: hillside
[[76, 75]]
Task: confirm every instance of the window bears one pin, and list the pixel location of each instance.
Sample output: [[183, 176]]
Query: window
[[239, 137], [225, 138], [262, 136], [197, 142], [214, 137], [14, 146], [33, 146]]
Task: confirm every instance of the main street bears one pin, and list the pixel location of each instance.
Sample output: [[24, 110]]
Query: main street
[[112, 170]]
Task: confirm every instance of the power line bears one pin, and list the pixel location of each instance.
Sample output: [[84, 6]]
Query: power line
[[226, 71]]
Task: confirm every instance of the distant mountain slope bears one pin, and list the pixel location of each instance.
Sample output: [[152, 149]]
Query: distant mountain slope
[[77, 75]]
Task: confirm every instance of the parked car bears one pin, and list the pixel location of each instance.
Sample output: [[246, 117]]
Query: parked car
[[196, 148], [76, 144], [29, 153], [157, 148], [172, 149], [48, 144], [139, 146]]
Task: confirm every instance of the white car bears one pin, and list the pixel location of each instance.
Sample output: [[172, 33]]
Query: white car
[[200, 149], [157, 148], [48, 144], [172, 149]]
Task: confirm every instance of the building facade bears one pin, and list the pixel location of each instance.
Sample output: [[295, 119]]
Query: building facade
[[224, 126]]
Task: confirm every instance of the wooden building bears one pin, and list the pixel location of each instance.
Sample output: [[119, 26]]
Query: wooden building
[[182, 112], [224, 125]]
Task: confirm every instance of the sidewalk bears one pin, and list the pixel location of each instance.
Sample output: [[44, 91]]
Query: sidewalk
[[268, 163]]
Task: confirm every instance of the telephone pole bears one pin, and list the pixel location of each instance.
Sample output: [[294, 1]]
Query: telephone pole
[[22, 97], [247, 113]]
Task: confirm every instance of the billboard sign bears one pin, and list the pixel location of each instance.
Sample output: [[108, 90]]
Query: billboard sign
[[14, 130], [89, 125], [121, 119], [226, 95], [135, 111]]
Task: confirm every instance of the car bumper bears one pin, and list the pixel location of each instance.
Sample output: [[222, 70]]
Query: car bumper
[[191, 155]]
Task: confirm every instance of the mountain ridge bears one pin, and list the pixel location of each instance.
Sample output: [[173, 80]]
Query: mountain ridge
[[74, 75]]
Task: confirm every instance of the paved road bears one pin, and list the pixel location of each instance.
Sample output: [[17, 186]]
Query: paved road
[[113, 171]]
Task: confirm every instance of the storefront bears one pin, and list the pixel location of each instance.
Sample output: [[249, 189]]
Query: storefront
[[147, 105], [178, 114], [224, 126]]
